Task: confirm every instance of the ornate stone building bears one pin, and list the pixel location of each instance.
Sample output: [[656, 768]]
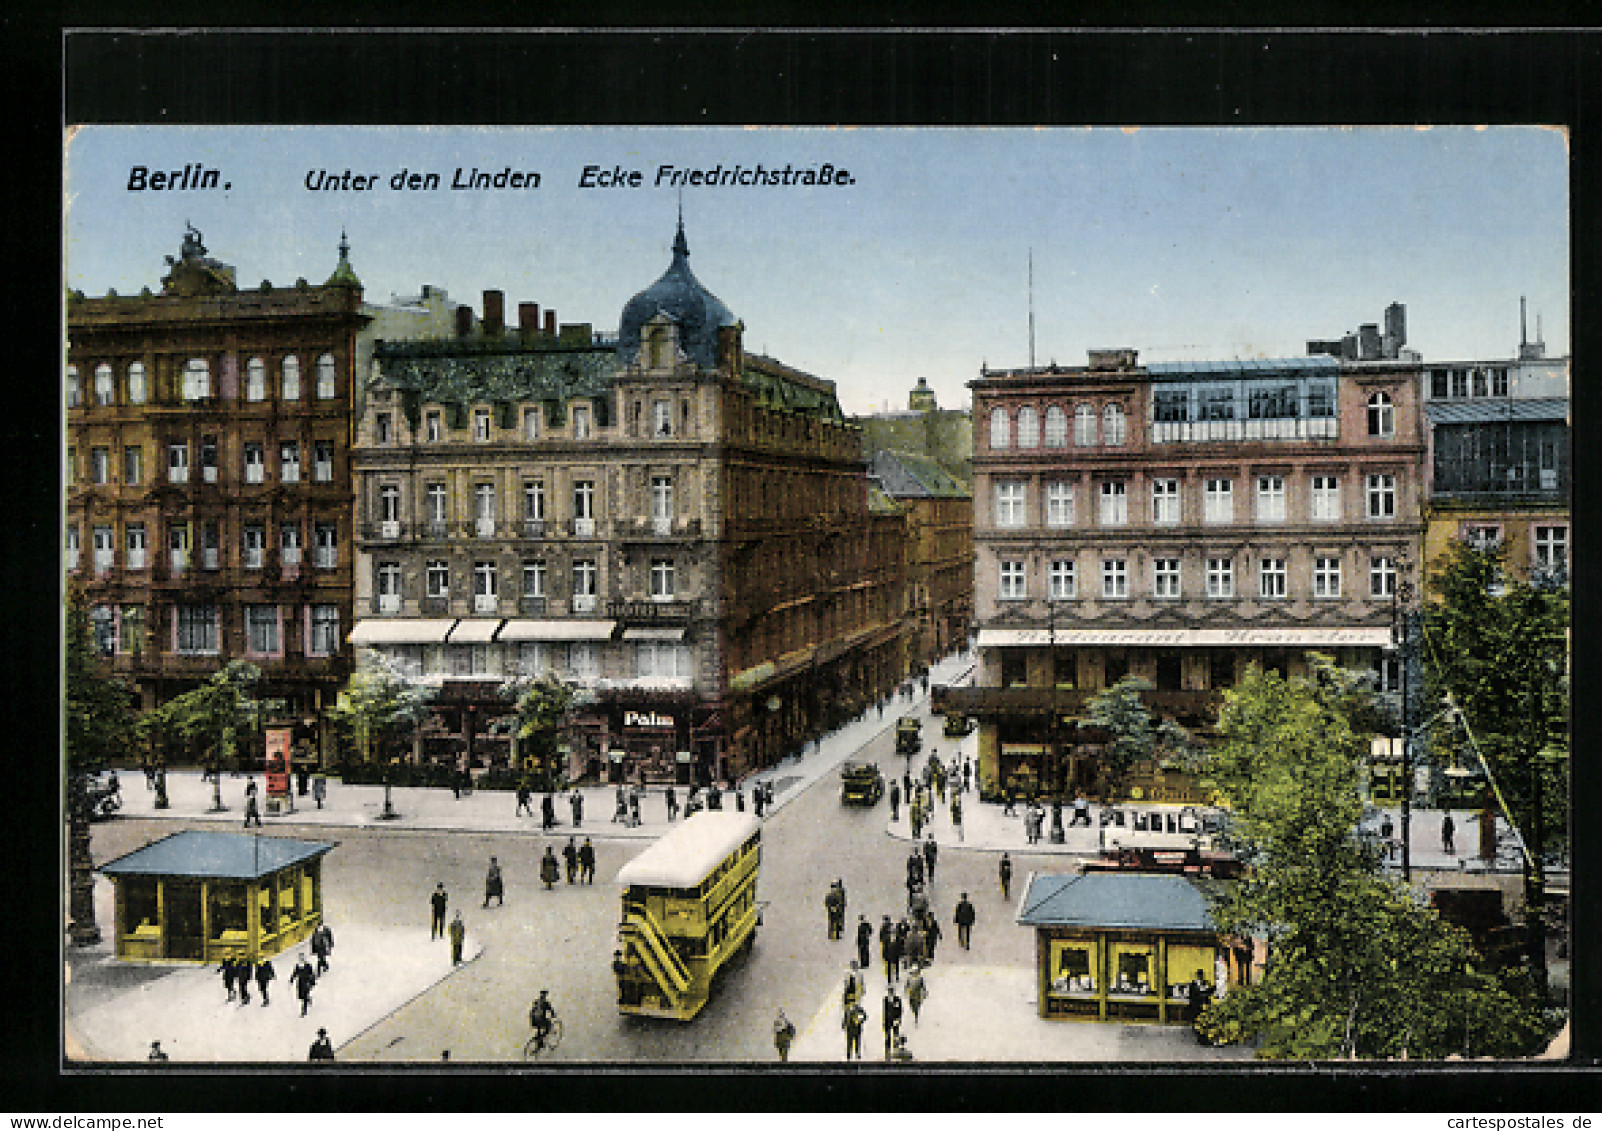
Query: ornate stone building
[[677, 526], [208, 432], [938, 510]]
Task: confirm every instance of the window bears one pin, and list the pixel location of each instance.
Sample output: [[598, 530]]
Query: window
[[323, 462], [1381, 415], [584, 662], [1480, 536], [1381, 493], [1216, 402], [74, 393], [196, 379], [100, 465], [1056, 427], [389, 510], [1326, 577], [1382, 577], [381, 428], [481, 424], [289, 462], [103, 624], [584, 585], [534, 579], [105, 544], [661, 579], [1028, 428], [387, 586], [581, 422], [289, 545], [210, 546], [1499, 382], [1012, 581], [255, 464], [208, 459], [1114, 504], [325, 545], [1059, 504], [1000, 428], [133, 630], [1438, 383], [253, 541], [662, 503], [1165, 578], [1270, 498], [325, 377], [105, 386], [133, 465], [138, 548], [1326, 498], [486, 587], [1220, 577], [261, 629], [1114, 579], [1112, 425], [437, 578], [196, 630], [1460, 385], [584, 508], [324, 631], [1085, 426], [255, 379], [661, 418], [74, 547], [137, 392], [178, 546], [1479, 382], [660, 659], [434, 493], [533, 500], [432, 426], [1218, 501], [1010, 504], [289, 379], [531, 424], [484, 509], [1271, 402], [1271, 576], [1165, 502], [1062, 580], [1552, 548], [1170, 406]]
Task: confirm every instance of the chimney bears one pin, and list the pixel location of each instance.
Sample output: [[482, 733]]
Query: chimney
[[494, 312], [464, 320], [550, 323], [1368, 341], [528, 318]]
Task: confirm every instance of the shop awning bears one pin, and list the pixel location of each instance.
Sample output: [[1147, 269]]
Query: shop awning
[[480, 631], [208, 855], [400, 630], [519, 630], [653, 633], [1310, 637]]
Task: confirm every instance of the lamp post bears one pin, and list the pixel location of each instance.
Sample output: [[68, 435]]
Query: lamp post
[[1402, 639]]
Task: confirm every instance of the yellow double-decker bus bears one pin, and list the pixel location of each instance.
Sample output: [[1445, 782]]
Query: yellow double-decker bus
[[689, 906]]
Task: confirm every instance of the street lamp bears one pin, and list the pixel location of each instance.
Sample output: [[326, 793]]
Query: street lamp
[[1402, 640]]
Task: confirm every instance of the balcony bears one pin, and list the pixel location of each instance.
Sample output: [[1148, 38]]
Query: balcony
[[533, 528], [104, 561], [254, 557], [325, 558], [210, 558], [436, 605], [437, 531], [584, 602], [532, 606], [662, 527], [208, 475], [389, 529], [178, 475], [584, 528], [388, 604], [138, 559], [178, 562], [484, 527], [486, 603]]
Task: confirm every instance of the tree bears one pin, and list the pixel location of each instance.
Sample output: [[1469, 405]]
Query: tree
[[542, 705], [1134, 735], [99, 722], [219, 713], [379, 704], [1357, 966]]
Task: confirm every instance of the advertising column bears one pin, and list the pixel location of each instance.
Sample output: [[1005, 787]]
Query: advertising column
[[278, 767]]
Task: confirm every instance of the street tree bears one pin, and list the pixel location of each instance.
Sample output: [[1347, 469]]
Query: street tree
[[542, 704], [1134, 734], [99, 723], [379, 704], [1358, 966], [219, 715]]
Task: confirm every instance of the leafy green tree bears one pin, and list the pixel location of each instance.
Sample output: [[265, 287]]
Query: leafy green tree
[[217, 716], [1134, 735], [1357, 966], [379, 705], [542, 705]]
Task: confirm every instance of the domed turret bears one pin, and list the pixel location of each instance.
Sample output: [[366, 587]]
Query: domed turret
[[680, 296]]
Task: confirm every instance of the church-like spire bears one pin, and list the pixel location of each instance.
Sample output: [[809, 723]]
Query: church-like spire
[[344, 274], [681, 249]]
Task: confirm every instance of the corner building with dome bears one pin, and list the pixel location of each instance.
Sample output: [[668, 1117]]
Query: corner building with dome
[[681, 528]]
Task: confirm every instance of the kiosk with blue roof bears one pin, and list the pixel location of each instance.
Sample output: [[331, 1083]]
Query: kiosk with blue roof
[[202, 896]]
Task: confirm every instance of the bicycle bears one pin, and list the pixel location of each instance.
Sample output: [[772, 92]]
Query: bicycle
[[553, 1038]]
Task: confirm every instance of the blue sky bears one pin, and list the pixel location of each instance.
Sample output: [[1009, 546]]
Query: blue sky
[[1184, 244]]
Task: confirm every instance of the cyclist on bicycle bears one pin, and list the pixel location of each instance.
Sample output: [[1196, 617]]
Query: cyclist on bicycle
[[540, 1016]]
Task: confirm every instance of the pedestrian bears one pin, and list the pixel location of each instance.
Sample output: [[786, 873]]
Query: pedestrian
[[228, 972], [956, 813], [252, 813], [967, 776], [1448, 830], [586, 859], [1009, 799], [1005, 871], [322, 1048], [155, 1051], [458, 937], [917, 990], [576, 803], [913, 952], [322, 944], [493, 886], [524, 796], [767, 793], [1081, 809], [302, 777], [620, 815], [547, 812], [303, 979], [438, 901], [834, 906], [456, 781], [931, 937], [319, 787], [855, 1017], [890, 952], [914, 868], [550, 870], [903, 930], [852, 991], [759, 799], [264, 976], [634, 810], [570, 859], [672, 804], [930, 852], [242, 978], [783, 1035], [895, 802], [964, 920], [864, 940], [915, 817], [891, 1019]]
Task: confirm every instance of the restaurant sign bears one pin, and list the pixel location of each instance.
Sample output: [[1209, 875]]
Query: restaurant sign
[[647, 719]]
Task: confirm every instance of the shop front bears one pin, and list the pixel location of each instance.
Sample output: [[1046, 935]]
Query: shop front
[[202, 896]]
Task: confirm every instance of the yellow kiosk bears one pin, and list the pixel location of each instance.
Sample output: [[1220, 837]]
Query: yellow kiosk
[[202, 896], [1124, 947]]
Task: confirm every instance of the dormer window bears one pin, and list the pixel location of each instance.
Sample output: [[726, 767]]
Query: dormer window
[[581, 423]]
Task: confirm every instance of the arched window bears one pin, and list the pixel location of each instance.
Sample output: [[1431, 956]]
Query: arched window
[[325, 377], [255, 379], [1085, 426], [1112, 425], [289, 388], [1056, 427], [74, 394], [1000, 428], [136, 383], [1381, 415], [105, 385], [197, 379], [1028, 428]]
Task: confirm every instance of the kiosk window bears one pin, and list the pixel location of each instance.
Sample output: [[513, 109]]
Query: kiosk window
[[1132, 969], [226, 909], [1071, 967], [267, 898], [1185, 963], [287, 903], [139, 907]]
